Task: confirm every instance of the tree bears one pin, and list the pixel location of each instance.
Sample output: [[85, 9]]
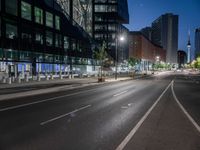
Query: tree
[[133, 61], [198, 62], [101, 55]]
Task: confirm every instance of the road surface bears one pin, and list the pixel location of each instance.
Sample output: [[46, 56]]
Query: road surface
[[134, 114]]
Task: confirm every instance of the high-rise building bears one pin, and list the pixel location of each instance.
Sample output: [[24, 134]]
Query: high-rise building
[[108, 16], [197, 42], [147, 32], [182, 58], [45, 36], [165, 33], [58, 36]]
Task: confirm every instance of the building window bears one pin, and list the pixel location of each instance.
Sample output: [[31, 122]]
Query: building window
[[57, 22], [66, 43], [11, 31], [38, 15], [26, 37], [11, 7], [25, 10], [73, 44], [39, 38], [58, 40], [49, 38], [49, 19]]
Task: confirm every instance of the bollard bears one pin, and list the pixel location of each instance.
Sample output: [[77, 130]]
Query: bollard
[[51, 77], [9, 80], [19, 80], [47, 77], [38, 78], [12, 79], [26, 78], [3, 79], [61, 77]]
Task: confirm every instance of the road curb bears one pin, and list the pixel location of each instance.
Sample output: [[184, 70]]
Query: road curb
[[54, 89]]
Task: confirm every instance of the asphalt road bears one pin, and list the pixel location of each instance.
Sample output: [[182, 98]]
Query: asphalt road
[[99, 117]]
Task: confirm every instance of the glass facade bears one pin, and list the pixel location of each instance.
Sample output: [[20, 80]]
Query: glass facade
[[41, 35]]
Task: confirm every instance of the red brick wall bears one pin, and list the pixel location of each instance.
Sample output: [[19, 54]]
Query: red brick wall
[[142, 48]]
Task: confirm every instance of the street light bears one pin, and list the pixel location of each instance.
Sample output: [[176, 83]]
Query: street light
[[121, 38]]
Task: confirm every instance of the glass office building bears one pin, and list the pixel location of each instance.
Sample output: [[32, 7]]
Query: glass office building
[[44, 36], [108, 19]]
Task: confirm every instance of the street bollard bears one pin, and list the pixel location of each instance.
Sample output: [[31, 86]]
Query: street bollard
[[19, 80], [3, 79], [61, 77], [9, 80], [38, 78], [12, 79], [26, 78], [51, 77], [47, 77]]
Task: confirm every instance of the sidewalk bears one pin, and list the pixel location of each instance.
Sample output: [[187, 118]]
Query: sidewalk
[[42, 87]]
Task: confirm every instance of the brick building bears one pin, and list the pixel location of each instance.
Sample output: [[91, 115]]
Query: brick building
[[143, 49]]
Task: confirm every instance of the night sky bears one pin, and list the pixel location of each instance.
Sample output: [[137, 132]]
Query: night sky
[[144, 12]]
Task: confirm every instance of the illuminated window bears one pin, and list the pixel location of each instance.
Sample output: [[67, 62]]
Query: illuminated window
[[66, 43], [49, 19], [57, 22], [58, 40], [25, 10], [11, 31], [38, 15], [39, 38], [49, 38]]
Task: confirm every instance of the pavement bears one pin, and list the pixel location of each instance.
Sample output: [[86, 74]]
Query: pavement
[[16, 90]]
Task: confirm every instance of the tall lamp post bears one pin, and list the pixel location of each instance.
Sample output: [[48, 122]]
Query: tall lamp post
[[120, 38]]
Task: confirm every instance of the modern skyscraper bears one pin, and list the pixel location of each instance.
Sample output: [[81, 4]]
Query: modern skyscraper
[[165, 33], [147, 32], [182, 58], [58, 36], [197, 42], [108, 16]]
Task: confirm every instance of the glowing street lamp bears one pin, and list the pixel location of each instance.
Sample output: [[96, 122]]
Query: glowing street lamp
[[121, 39]]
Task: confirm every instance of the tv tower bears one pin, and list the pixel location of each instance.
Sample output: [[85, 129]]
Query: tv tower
[[188, 48]]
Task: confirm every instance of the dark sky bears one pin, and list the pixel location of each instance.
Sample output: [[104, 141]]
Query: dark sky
[[144, 12]]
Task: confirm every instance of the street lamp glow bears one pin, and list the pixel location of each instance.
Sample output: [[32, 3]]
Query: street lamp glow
[[121, 38]]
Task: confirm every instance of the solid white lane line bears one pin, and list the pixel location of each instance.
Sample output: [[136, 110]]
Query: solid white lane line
[[64, 115], [134, 130], [41, 101], [184, 110], [120, 93]]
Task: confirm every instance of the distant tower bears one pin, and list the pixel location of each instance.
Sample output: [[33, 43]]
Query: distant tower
[[188, 48]]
